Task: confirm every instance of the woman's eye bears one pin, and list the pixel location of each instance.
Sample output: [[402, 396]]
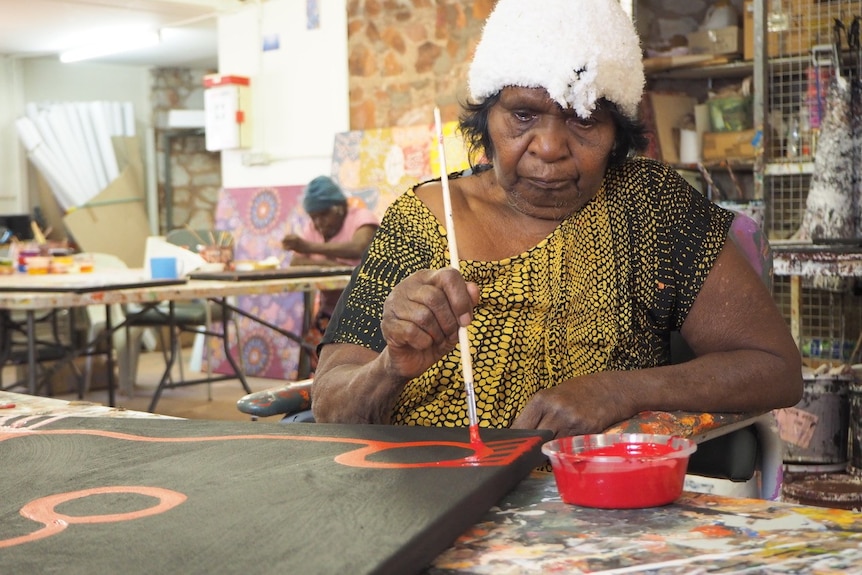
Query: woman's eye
[[523, 116], [582, 122]]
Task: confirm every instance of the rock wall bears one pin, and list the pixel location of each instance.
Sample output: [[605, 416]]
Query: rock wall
[[195, 173], [405, 57]]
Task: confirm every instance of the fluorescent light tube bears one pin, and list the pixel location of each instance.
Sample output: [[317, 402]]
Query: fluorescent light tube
[[113, 45]]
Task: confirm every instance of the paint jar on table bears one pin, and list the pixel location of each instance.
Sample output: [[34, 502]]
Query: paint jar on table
[[815, 431], [24, 255], [83, 263], [216, 254], [164, 268], [38, 265]]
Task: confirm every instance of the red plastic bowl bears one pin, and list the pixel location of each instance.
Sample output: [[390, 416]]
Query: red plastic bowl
[[619, 470]]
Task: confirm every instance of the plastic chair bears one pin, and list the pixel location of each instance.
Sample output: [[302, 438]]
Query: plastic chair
[[194, 316], [126, 342], [733, 454], [739, 455]]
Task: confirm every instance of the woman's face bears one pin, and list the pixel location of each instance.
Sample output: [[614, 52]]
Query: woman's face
[[329, 221], [549, 161]]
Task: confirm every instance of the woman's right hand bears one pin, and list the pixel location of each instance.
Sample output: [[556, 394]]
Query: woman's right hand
[[421, 318]]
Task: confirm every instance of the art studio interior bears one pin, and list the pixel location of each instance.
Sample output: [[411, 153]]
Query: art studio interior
[[155, 157]]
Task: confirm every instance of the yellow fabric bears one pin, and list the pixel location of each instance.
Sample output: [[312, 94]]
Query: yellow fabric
[[599, 293]]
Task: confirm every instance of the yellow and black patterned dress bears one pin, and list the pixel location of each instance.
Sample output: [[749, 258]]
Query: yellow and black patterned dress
[[601, 292]]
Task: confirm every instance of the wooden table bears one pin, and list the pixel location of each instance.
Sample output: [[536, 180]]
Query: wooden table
[[30, 293], [531, 531]]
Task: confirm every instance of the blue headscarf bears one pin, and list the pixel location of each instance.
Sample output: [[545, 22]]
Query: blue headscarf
[[321, 194]]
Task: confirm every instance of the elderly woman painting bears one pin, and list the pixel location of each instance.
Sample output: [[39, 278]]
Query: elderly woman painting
[[577, 259], [337, 233]]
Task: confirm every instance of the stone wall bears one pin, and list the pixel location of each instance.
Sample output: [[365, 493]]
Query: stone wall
[[407, 56], [195, 173]]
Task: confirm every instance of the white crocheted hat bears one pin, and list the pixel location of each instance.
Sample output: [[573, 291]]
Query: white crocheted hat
[[577, 50]]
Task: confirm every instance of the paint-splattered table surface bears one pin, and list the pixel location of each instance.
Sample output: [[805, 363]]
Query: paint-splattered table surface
[[20, 405], [532, 531], [24, 292]]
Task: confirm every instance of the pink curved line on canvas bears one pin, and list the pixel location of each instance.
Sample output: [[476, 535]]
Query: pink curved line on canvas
[[492, 453], [42, 510]]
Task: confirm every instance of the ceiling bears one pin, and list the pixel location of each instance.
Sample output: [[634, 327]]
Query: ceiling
[[39, 28]]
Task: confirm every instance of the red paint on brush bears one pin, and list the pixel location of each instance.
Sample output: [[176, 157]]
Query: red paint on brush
[[480, 450]]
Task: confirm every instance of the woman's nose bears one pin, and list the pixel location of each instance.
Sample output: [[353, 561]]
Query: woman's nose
[[551, 142]]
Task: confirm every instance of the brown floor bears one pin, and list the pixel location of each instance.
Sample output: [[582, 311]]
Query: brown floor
[[192, 402]]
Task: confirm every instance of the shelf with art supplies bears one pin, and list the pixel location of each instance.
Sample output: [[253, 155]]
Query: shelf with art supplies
[[732, 188], [714, 49], [715, 126]]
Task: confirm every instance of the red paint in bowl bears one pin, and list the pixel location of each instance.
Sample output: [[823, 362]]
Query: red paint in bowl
[[619, 470]]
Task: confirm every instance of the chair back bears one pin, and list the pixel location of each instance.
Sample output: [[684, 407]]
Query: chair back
[[751, 240], [738, 454]]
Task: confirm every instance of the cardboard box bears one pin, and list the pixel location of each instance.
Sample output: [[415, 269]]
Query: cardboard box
[[798, 37], [668, 111], [719, 41], [724, 145]]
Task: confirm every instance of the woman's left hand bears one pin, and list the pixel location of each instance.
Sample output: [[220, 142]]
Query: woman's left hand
[[292, 242], [587, 404]]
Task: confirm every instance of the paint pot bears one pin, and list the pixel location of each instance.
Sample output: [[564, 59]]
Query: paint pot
[[619, 470], [835, 490], [815, 431], [855, 465]]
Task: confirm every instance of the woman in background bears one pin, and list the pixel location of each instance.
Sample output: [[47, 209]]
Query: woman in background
[[337, 234]]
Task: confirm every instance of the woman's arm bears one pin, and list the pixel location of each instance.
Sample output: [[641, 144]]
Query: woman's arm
[[421, 318], [351, 250], [746, 361]]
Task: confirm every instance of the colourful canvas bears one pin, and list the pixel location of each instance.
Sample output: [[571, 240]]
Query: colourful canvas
[[260, 217], [377, 166]]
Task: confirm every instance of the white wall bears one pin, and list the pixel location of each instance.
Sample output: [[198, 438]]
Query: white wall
[[46, 79], [300, 96], [12, 166]]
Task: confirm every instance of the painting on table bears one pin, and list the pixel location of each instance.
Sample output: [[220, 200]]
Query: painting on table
[[156, 496]]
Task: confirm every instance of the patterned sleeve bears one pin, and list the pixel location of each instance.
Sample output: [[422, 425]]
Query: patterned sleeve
[[408, 239], [698, 232], [676, 236]]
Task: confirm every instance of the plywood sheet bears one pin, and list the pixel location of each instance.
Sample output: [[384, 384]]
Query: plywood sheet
[[114, 222], [90, 495]]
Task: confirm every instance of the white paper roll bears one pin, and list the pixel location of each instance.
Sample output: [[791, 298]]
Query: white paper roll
[[65, 197], [73, 149], [57, 154], [27, 133], [128, 119], [93, 152], [689, 146], [100, 119]]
